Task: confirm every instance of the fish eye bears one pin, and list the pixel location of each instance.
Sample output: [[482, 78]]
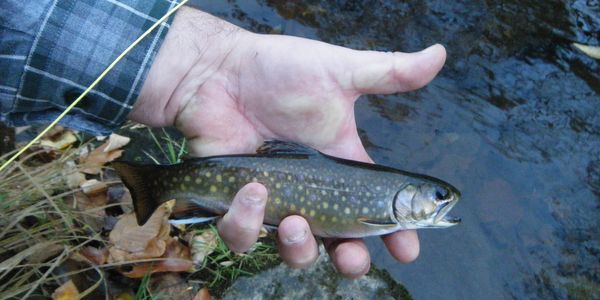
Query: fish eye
[[441, 193]]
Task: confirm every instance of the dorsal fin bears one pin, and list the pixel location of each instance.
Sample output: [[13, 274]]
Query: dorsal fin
[[283, 147]]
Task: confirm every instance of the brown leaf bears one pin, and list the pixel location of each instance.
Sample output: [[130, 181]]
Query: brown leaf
[[67, 291], [107, 152], [93, 187], [203, 245], [203, 294], [115, 142], [171, 284], [129, 241], [177, 258], [59, 141], [95, 255]]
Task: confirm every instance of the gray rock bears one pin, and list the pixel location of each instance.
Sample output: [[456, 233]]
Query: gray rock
[[320, 281]]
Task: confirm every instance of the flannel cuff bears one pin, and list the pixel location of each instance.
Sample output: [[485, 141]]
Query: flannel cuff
[[51, 62]]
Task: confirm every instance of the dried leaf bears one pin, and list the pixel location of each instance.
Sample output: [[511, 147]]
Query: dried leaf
[[203, 294], [67, 291], [171, 284], [177, 258], [203, 245], [226, 263], [59, 141], [95, 255], [129, 241], [93, 187], [94, 161], [115, 142], [107, 152], [591, 51]]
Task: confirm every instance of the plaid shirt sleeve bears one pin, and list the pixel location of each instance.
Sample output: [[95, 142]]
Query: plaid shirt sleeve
[[52, 50]]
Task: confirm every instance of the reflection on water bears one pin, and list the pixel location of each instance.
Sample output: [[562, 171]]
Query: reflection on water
[[513, 120]]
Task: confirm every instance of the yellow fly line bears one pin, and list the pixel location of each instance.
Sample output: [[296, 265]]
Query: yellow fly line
[[93, 85]]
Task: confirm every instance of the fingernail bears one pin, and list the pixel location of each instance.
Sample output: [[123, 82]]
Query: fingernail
[[253, 200], [296, 237]]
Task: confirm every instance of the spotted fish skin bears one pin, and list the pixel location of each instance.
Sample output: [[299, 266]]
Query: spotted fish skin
[[338, 198]]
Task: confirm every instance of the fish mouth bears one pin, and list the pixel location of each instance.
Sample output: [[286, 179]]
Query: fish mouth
[[441, 218]]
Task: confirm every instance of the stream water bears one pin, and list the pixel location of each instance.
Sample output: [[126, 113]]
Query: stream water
[[513, 120]]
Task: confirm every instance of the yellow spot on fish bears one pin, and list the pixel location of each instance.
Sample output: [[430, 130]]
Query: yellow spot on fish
[[292, 206], [365, 210], [289, 177], [368, 194], [312, 213], [343, 198], [336, 206], [254, 179], [325, 205], [277, 200], [208, 174], [231, 179], [226, 189], [219, 178], [336, 193], [213, 189], [278, 185], [183, 187], [302, 199], [198, 180], [342, 180], [323, 192], [300, 187], [303, 211], [347, 210], [334, 219], [322, 218], [265, 173], [187, 178]]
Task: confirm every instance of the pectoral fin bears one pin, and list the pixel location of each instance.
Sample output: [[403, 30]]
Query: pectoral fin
[[379, 223]]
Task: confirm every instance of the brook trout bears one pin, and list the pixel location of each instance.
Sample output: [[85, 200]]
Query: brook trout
[[338, 197]]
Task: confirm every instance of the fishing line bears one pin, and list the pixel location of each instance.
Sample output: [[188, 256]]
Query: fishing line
[[93, 85]]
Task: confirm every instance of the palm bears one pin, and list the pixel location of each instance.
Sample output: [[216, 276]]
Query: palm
[[304, 91]]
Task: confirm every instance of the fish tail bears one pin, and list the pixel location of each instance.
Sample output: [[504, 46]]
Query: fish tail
[[137, 179]]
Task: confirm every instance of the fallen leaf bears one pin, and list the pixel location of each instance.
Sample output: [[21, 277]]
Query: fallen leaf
[[95, 255], [203, 294], [129, 241], [177, 258], [591, 51], [94, 161], [226, 263], [171, 284], [67, 291], [203, 245], [115, 142], [59, 141], [107, 152], [93, 187]]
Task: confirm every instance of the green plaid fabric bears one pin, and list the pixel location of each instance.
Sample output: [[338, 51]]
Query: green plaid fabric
[[51, 50]]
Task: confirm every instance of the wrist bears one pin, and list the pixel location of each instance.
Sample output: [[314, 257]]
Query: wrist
[[195, 48]]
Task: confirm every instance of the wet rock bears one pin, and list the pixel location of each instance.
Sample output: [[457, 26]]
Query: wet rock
[[320, 281]]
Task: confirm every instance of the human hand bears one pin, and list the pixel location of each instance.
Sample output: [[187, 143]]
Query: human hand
[[228, 90]]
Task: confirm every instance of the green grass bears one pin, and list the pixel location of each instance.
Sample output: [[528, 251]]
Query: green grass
[[222, 267], [172, 150]]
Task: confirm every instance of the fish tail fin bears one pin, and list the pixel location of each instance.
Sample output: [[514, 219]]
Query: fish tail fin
[[136, 179]]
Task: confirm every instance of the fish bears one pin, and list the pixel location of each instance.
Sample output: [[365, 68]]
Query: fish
[[338, 197]]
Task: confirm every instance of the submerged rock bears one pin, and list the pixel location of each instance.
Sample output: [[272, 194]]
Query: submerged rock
[[320, 281]]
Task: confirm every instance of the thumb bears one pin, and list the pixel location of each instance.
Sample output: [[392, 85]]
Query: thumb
[[392, 72]]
